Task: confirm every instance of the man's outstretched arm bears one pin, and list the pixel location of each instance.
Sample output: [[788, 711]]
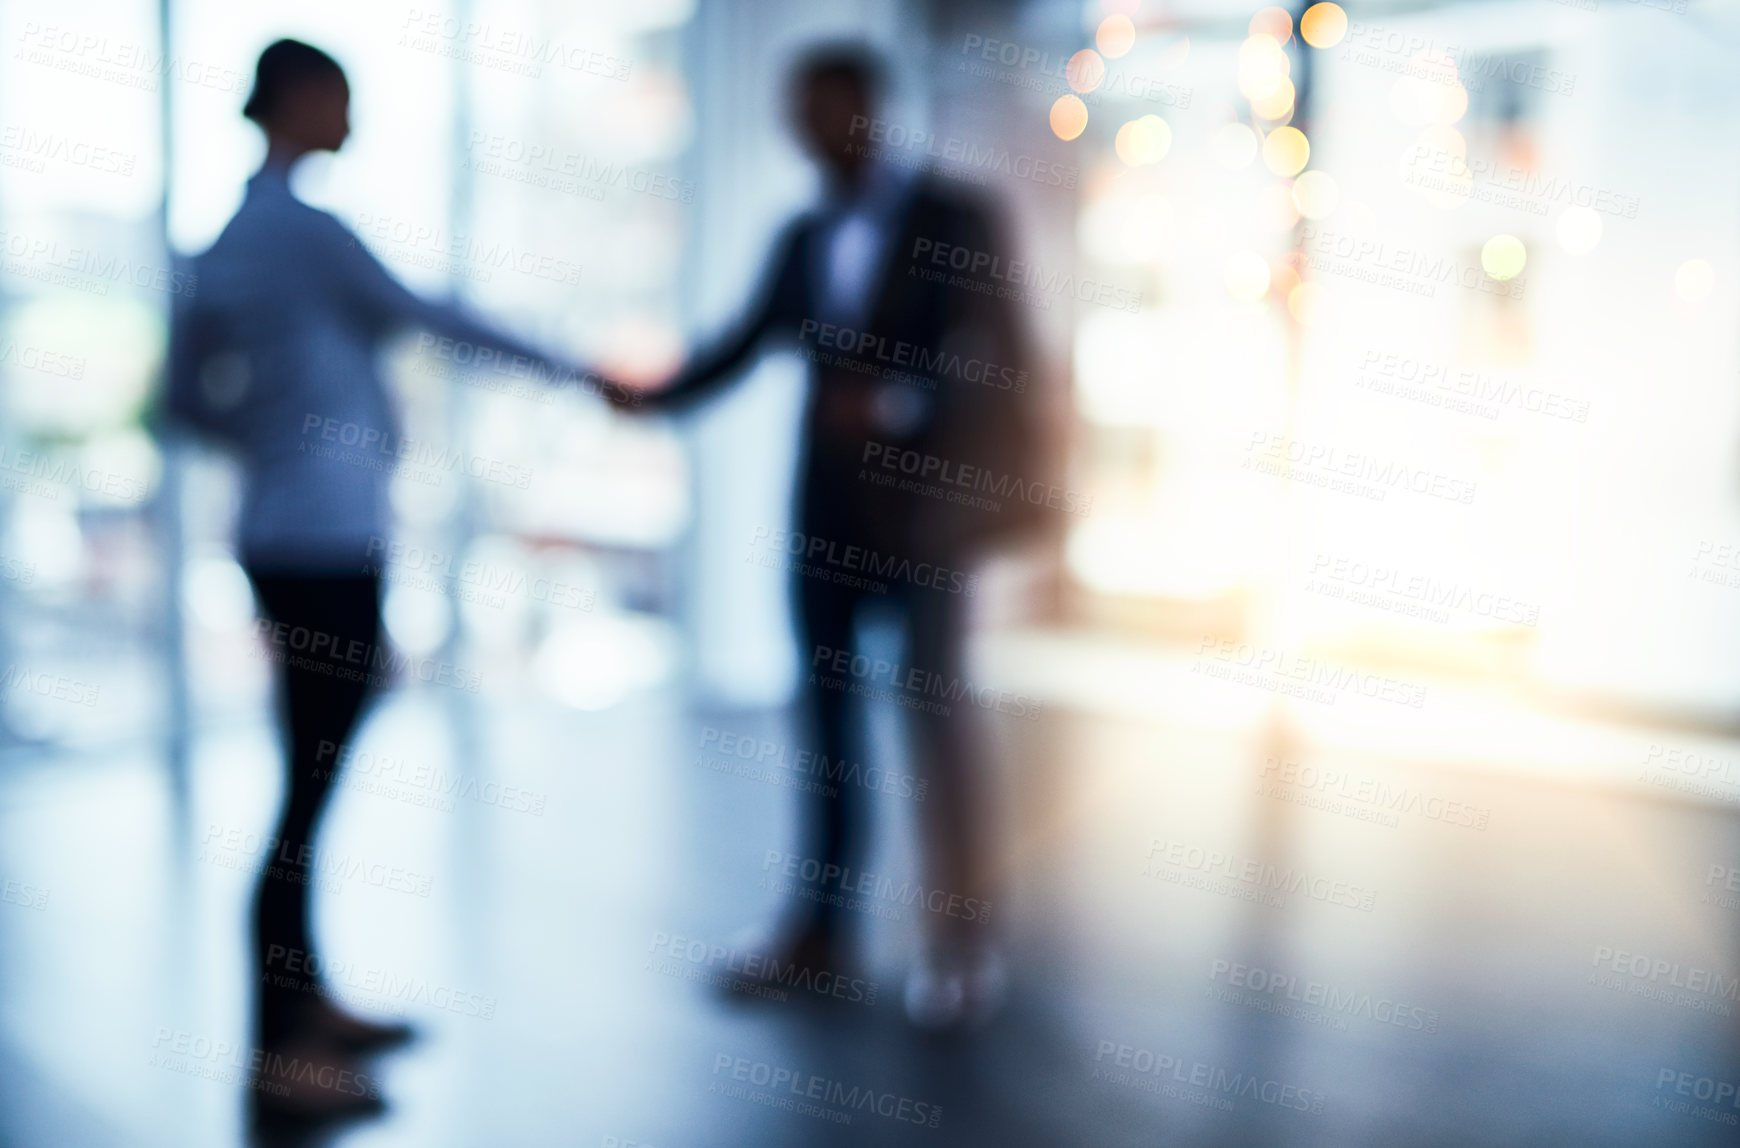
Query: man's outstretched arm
[[776, 308]]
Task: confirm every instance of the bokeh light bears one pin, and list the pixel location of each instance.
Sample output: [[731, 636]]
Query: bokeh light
[[1069, 117], [1132, 144], [1283, 281], [1273, 21], [1235, 146], [1579, 229], [1143, 141], [1504, 257], [1323, 25], [1086, 70], [1160, 132], [1306, 302], [1286, 151], [1695, 280], [1263, 65], [1364, 459], [1316, 195], [1116, 36], [1453, 104], [1278, 104], [1247, 276], [1429, 93]]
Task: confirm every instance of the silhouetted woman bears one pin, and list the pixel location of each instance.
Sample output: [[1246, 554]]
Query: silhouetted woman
[[277, 355]]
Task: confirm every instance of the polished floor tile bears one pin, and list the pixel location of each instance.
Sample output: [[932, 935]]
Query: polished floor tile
[[1218, 935]]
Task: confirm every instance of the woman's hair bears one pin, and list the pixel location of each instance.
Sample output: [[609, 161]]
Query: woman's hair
[[284, 66]]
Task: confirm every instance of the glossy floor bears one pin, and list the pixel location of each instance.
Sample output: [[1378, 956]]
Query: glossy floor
[[1221, 933]]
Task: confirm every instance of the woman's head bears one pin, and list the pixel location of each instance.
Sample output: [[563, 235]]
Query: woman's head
[[300, 98]]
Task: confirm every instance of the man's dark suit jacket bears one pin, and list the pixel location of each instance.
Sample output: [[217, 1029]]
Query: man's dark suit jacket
[[945, 334]]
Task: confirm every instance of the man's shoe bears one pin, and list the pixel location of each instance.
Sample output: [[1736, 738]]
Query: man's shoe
[[308, 1081], [327, 1021], [952, 994], [936, 997]]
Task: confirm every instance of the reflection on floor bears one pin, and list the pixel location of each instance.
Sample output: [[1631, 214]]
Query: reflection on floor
[[1221, 935]]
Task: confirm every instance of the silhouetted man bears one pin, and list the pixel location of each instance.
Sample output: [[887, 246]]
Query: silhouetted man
[[916, 373]]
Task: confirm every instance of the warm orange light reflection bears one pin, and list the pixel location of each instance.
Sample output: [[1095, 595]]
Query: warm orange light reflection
[[1277, 105], [1174, 51], [1283, 281], [1069, 117], [1323, 25], [1246, 276], [1286, 151], [1143, 141], [1306, 302], [1263, 66], [1116, 36], [1273, 21], [1085, 71]]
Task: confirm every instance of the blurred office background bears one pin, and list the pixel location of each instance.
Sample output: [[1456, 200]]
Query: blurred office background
[[1395, 340]]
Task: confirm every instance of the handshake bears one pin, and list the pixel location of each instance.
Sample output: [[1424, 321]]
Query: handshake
[[634, 384]]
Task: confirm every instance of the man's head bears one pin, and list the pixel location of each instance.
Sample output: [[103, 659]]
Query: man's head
[[300, 98], [834, 89]]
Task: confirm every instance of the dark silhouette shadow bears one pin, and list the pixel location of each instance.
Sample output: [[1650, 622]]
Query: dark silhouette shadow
[[920, 400], [275, 357]]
